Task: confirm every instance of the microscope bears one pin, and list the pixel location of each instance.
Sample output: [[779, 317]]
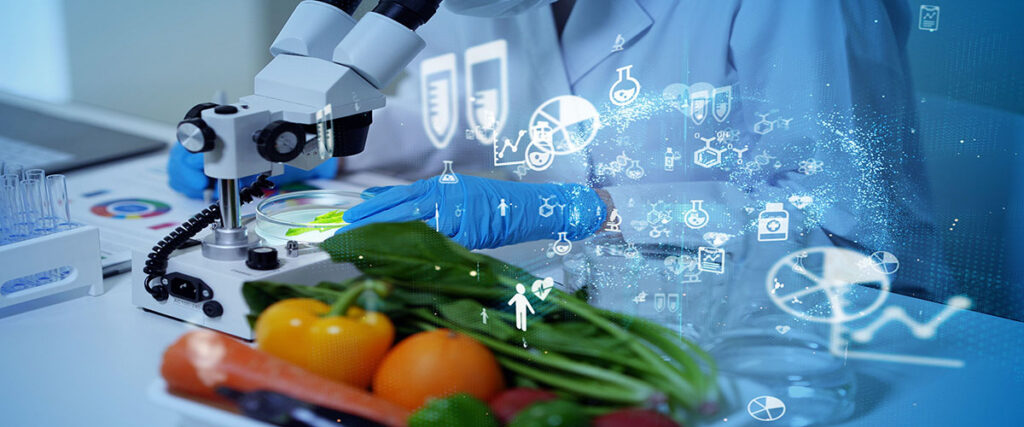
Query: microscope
[[312, 102]]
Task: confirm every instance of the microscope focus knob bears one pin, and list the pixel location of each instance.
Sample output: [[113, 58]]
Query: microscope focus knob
[[195, 135], [262, 258], [281, 141]]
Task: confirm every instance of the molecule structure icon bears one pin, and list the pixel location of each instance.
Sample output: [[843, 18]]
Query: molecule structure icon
[[547, 209], [708, 157], [764, 125]]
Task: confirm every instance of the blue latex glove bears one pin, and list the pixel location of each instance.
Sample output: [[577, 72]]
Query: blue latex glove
[[470, 211], [185, 173]]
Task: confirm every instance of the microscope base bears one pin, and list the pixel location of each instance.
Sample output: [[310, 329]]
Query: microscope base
[[208, 292]]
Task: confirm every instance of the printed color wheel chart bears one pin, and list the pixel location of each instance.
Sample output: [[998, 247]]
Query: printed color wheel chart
[[130, 209]]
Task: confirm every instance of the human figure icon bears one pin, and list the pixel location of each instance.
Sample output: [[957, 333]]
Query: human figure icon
[[503, 207], [522, 304], [483, 315]]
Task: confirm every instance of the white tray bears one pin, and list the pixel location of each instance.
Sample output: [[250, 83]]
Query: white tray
[[195, 413]]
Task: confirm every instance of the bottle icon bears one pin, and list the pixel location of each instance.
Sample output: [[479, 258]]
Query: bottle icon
[[773, 223], [696, 217], [448, 176], [625, 89], [635, 171], [670, 159], [562, 246]]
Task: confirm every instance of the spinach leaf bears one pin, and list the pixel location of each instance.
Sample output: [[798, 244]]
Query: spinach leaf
[[412, 252], [466, 314]]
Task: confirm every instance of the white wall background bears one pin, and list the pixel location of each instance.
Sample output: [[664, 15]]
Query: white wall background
[[33, 52]]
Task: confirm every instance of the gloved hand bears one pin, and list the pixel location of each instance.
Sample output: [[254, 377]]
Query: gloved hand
[[471, 210], [185, 173]]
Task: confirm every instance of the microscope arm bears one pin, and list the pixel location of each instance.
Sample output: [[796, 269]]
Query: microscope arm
[[313, 101]]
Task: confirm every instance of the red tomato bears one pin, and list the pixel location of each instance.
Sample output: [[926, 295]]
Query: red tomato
[[634, 418], [507, 404]]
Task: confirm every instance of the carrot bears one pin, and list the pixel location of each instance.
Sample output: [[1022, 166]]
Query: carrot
[[200, 361]]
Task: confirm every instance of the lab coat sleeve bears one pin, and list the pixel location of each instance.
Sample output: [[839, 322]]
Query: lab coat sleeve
[[838, 70]]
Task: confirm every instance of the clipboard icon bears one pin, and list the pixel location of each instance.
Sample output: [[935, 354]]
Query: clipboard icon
[[711, 260], [928, 19]]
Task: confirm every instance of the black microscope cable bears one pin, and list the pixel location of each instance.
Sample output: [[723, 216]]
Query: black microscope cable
[[156, 262]]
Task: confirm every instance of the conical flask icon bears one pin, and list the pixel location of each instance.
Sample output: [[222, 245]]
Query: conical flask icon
[[448, 176], [625, 89]]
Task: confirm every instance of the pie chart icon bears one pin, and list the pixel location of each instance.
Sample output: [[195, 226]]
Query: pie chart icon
[[885, 262], [766, 408], [827, 284], [573, 121]]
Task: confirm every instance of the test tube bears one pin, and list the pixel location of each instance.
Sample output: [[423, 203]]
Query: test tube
[[35, 174], [33, 192], [6, 218], [57, 191], [13, 169], [19, 228]]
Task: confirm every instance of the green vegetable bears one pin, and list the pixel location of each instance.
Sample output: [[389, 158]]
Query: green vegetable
[[332, 217], [608, 359], [460, 410], [553, 413]]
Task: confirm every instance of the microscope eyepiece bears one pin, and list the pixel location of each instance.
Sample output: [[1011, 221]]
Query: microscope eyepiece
[[410, 13], [347, 6]]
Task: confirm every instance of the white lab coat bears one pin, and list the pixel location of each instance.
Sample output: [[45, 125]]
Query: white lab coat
[[836, 69]]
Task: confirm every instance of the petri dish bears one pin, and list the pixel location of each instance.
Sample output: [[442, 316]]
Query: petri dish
[[294, 216]]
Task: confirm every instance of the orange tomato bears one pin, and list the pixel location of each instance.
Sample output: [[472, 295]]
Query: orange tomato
[[436, 364]]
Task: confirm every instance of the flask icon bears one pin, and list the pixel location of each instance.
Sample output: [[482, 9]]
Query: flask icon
[[625, 89], [696, 217], [635, 171], [562, 246], [448, 176], [773, 223]]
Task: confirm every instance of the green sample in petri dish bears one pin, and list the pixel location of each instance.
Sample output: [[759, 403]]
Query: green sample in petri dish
[[332, 217]]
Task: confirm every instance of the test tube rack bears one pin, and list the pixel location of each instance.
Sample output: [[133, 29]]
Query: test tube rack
[[76, 250]]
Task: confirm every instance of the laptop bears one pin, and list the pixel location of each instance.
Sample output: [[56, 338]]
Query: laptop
[[38, 138]]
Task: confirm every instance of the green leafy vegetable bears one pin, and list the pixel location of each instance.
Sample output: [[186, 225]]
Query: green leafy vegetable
[[460, 410], [552, 413], [604, 358]]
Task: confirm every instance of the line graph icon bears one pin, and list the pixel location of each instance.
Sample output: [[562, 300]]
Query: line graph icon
[[830, 285], [507, 153], [922, 331]]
